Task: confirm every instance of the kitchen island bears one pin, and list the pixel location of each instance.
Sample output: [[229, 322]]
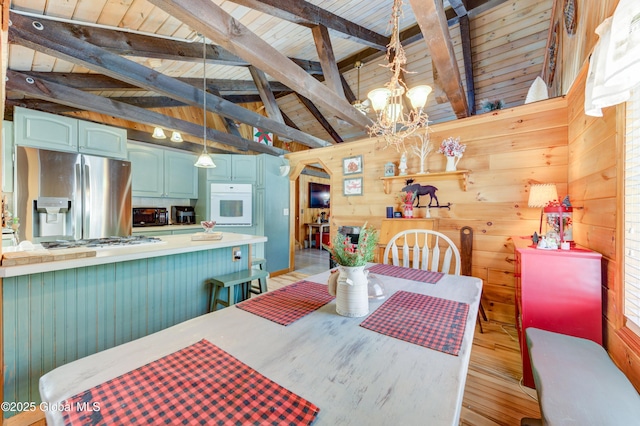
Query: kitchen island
[[58, 312]]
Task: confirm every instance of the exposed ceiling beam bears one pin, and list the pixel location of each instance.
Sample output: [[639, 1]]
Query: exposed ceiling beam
[[264, 88], [465, 36], [132, 44], [305, 13], [459, 7], [54, 92], [230, 126], [139, 101], [433, 24], [327, 59], [318, 116], [86, 81], [55, 40], [211, 20]]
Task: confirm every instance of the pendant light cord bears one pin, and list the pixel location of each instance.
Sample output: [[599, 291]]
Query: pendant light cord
[[204, 92]]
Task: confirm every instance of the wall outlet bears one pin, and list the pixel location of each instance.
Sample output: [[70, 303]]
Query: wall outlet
[[236, 253]]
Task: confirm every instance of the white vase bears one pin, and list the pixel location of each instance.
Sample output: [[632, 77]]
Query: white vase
[[452, 163], [352, 291]]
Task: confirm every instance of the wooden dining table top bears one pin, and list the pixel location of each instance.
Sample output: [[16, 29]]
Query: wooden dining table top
[[354, 375]]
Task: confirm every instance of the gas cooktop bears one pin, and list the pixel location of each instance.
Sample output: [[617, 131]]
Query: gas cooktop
[[102, 242]]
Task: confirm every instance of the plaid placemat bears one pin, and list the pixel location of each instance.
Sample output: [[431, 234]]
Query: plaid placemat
[[427, 321], [288, 304], [200, 384], [429, 277]]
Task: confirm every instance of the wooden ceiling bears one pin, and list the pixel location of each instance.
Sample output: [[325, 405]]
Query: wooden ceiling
[[285, 66]]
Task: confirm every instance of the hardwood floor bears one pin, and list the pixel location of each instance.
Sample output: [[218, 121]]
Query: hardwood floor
[[493, 394]]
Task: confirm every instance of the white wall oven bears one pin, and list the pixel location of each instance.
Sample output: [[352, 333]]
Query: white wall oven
[[231, 204]]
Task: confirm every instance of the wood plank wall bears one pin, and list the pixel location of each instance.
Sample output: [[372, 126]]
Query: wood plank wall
[[507, 151], [596, 163]]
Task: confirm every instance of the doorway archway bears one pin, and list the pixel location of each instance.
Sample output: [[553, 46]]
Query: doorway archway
[[294, 202]]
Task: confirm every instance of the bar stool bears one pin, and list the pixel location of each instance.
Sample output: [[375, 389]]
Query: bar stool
[[262, 282], [230, 281]]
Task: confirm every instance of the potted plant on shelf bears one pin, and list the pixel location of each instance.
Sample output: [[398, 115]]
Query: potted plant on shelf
[[452, 150], [350, 285]]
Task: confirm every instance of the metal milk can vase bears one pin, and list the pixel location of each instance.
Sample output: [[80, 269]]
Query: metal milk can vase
[[452, 163], [352, 293]]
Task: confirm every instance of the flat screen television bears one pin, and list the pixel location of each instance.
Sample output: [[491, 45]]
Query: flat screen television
[[319, 195]]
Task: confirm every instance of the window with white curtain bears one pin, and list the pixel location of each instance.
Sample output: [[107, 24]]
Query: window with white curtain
[[632, 213]]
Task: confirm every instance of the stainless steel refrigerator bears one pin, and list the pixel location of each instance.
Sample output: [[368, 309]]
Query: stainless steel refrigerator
[[71, 196]]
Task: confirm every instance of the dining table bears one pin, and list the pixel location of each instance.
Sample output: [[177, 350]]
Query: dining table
[[347, 373]]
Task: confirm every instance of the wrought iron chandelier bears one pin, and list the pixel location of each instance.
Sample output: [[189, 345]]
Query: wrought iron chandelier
[[392, 123]]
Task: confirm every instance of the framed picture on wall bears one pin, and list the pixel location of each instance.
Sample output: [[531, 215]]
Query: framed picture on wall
[[352, 165], [352, 186]]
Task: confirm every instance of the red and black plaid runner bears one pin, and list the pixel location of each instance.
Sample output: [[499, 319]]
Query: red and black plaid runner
[[429, 277], [424, 320], [198, 385], [288, 304]]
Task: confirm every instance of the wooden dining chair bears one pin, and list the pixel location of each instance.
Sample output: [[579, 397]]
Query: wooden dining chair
[[466, 250], [422, 249]]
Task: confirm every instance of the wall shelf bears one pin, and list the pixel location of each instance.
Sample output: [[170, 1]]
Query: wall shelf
[[457, 174]]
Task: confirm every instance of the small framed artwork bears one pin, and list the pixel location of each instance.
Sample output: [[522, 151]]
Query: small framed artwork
[[352, 165], [352, 186], [390, 169]]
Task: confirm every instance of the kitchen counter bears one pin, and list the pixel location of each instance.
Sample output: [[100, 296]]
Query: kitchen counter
[[170, 245], [60, 311]]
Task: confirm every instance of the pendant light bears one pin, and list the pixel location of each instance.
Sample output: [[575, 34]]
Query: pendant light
[[204, 160], [158, 133], [176, 137]]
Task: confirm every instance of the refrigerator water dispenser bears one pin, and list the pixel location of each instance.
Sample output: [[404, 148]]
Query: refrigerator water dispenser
[[52, 218]]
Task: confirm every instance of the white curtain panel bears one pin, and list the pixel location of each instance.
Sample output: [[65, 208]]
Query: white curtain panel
[[614, 66]]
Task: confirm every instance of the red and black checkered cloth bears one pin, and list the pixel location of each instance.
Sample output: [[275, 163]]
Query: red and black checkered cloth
[[198, 385], [288, 304], [429, 277], [427, 321]]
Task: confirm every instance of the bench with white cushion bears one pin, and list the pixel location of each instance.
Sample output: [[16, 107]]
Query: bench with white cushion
[[578, 383]]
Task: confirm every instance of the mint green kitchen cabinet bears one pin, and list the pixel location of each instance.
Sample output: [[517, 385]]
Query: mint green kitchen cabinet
[[7, 156], [233, 168], [222, 170], [147, 170], [271, 212], [157, 172], [99, 139], [43, 130], [180, 175], [38, 129]]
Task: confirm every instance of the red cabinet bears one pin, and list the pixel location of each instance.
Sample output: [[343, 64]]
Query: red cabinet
[[557, 290]]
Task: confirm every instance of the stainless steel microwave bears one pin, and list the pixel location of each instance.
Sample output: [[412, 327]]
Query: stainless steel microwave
[[150, 216]]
